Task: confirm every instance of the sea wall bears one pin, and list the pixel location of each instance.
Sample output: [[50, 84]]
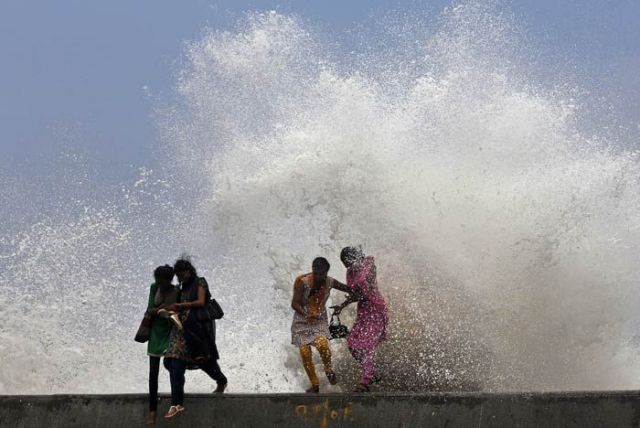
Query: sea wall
[[580, 410]]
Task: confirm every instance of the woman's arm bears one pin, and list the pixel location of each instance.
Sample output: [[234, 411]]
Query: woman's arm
[[363, 280], [296, 302], [350, 299], [340, 286], [200, 302], [151, 309]]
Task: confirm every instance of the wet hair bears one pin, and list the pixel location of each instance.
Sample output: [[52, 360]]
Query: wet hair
[[184, 264], [164, 272], [351, 253], [320, 264]]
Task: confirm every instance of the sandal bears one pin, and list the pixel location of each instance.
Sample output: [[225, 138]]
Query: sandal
[[174, 411], [313, 390], [151, 419], [333, 379]]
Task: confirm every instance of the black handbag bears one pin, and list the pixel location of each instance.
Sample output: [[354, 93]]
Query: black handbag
[[337, 330], [142, 335], [212, 309], [215, 310]]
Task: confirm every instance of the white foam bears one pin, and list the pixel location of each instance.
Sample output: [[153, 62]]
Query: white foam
[[506, 239]]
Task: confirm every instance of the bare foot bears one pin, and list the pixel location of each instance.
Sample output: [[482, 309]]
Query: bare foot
[[151, 420], [361, 388], [221, 387], [333, 379], [313, 390]]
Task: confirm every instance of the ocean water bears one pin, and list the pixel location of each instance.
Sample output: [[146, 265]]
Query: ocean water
[[505, 231]]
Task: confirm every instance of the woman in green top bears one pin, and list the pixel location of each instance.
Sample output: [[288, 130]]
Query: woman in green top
[[161, 294]]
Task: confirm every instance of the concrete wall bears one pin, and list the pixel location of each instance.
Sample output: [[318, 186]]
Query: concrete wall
[[580, 410]]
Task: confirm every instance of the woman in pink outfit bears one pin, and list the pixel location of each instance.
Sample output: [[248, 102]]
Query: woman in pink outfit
[[370, 327]]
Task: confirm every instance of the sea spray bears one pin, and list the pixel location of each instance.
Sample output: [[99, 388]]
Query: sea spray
[[505, 236]]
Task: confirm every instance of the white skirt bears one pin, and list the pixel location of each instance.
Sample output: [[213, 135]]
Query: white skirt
[[304, 332]]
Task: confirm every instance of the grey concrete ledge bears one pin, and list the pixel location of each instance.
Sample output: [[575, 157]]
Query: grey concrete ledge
[[548, 409]]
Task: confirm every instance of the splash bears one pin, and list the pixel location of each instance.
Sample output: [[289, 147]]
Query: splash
[[505, 236]]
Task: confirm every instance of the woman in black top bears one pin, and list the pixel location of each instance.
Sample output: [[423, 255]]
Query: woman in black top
[[194, 346]]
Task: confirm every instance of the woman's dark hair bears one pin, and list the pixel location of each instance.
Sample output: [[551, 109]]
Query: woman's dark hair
[[320, 264], [351, 253], [164, 272], [184, 264]]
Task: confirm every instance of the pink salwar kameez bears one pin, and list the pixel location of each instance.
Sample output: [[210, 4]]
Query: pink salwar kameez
[[370, 327]]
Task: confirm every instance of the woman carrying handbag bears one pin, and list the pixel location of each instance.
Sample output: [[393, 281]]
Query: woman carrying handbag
[[194, 346], [156, 329]]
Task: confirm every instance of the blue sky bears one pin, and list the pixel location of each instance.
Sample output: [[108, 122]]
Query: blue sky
[[75, 69]]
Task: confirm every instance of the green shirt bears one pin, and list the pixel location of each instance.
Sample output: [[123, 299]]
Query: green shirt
[[160, 328]]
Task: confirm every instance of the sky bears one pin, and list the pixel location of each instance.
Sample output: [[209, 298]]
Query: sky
[[91, 72]]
